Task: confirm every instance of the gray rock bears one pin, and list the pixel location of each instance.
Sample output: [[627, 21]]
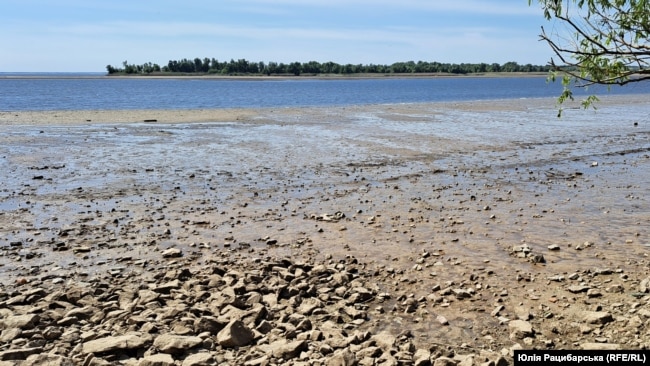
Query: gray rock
[[19, 354], [172, 343], [422, 357], [521, 328], [343, 357], [172, 253], [10, 334], [384, 340], [536, 258], [444, 361], [442, 320], [644, 286], [199, 359], [147, 296], [208, 324], [46, 359], [597, 317], [308, 305], [123, 342], [284, 349], [26, 321], [601, 346], [592, 292], [160, 359], [575, 289], [523, 313], [461, 293], [235, 334], [644, 313]]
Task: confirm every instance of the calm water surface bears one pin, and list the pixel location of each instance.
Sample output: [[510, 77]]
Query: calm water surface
[[61, 93]]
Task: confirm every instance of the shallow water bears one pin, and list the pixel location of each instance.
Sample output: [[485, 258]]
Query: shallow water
[[415, 168]]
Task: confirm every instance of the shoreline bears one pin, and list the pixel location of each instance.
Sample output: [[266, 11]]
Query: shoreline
[[260, 115], [280, 77]]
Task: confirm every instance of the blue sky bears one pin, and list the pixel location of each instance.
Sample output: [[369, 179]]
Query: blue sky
[[87, 35]]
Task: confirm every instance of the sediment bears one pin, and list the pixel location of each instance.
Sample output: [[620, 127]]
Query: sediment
[[312, 236]]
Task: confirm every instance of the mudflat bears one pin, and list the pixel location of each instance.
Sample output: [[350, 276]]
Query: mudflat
[[385, 233]]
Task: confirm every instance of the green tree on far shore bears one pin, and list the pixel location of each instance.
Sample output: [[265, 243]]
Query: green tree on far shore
[[244, 67]]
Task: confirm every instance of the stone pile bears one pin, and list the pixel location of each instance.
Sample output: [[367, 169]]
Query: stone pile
[[248, 312]]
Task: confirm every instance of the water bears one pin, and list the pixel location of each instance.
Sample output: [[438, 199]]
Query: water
[[86, 92]]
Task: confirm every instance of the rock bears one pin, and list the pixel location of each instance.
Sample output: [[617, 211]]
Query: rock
[[644, 313], [47, 359], [199, 359], [444, 361], [147, 296], [172, 253], [123, 342], [498, 309], [24, 322], [618, 289], [597, 317], [575, 289], [235, 334], [19, 354], [536, 258], [523, 313], [284, 349], [209, 324], [644, 286], [384, 340], [10, 334], [171, 343], [308, 305], [461, 293], [601, 346], [521, 329], [343, 357], [160, 359], [422, 357], [553, 247], [442, 320], [592, 292]]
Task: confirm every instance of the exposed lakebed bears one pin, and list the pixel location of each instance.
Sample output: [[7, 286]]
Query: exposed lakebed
[[427, 196]]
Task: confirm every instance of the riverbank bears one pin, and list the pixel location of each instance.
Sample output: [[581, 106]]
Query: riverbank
[[264, 77], [266, 115], [402, 233]]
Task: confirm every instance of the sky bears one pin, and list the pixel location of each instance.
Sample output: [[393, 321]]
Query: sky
[[87, 35]]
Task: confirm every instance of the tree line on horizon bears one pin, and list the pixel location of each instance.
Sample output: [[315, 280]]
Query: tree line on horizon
[[245, 67]]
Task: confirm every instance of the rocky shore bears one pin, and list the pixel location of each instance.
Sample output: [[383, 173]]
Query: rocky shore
[[315, 237]]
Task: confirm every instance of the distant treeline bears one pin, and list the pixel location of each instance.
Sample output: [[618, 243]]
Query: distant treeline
[[244, 67]]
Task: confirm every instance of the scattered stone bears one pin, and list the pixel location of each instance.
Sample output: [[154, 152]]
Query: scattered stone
[[601, 346], [199, 359], [160, 359], [284, 349], [235, 334], [19, 354], [343, 357], [575, 289], [117, 343], [597, 317], [172, 253], [171, 343], [442, 320], [644, 286], [520, 329]]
